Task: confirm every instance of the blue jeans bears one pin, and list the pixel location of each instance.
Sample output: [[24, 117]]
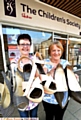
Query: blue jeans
[[31, 113]]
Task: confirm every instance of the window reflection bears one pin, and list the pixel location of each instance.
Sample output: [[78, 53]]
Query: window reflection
[[74, 52], [40, 39]]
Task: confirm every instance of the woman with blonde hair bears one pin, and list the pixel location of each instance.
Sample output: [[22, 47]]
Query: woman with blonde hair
[[51, 106]]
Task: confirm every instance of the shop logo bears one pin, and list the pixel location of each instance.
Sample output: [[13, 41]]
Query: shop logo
[[9, 8]]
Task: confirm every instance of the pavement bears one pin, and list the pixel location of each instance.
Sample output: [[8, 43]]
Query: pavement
[[73, 111]]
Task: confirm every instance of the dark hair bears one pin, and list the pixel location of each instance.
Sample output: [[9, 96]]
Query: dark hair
[[24, 36]]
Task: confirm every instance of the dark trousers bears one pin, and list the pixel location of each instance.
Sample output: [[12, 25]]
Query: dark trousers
[[32, 113], [53, 111]]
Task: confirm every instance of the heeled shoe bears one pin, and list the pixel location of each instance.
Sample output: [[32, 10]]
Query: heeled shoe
[[62, 98], [1, 92], [17, 83], [5, 92], [21, 75], [48, 83], [36, 92], [73, 85], [6, 107], [72, 81], [19, 101], [32, 91], [61, 94], [60, 79]]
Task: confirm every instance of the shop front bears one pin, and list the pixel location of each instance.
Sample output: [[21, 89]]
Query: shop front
[[44, 24]]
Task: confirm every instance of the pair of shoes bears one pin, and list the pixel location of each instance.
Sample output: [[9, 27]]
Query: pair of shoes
[[48, 83], [31, 87], [56, 86], [69, 87], [35, 92]]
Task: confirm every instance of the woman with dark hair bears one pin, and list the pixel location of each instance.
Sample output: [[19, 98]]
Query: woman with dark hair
[[24, 44]]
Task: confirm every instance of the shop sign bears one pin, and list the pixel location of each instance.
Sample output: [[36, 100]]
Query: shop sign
[[28, 10], [9, 8]]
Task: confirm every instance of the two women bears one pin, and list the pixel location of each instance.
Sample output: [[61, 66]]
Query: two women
[[51, 106]]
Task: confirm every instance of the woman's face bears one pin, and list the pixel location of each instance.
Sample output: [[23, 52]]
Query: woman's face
[[24, 47], [55, 52]]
